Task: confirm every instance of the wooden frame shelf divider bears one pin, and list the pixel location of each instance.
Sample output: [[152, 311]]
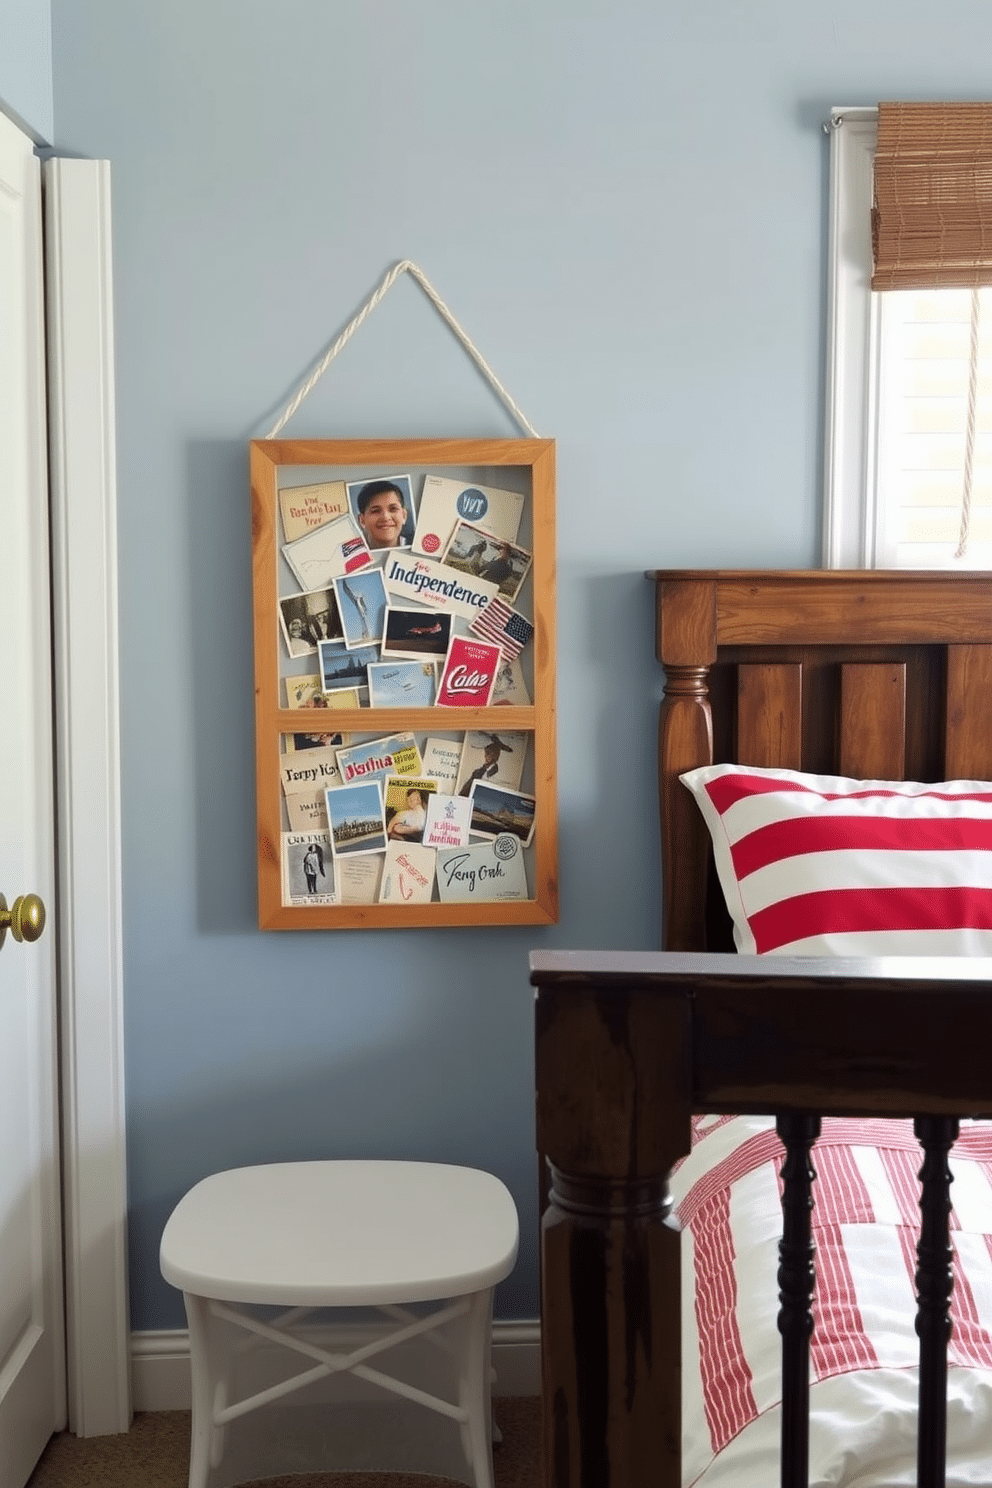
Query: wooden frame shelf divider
[[476, 461]]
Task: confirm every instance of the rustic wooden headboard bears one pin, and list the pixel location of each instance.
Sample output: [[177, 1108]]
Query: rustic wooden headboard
[[878, 674]]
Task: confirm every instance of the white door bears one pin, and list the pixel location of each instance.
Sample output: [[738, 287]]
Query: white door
[[32, 1347]]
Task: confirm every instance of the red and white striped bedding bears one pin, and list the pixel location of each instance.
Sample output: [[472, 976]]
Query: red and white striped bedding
[[864, 1349]]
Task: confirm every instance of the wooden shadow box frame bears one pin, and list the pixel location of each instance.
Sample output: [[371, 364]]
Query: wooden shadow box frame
[[337, 459]]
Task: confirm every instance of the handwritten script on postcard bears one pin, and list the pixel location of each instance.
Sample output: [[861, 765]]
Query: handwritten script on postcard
[[484, 872], [407, 874], [305, 507]]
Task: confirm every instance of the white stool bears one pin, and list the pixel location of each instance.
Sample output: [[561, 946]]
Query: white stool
[[312, 1235]]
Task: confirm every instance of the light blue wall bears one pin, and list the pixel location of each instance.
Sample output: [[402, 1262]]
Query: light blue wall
[[26, 66], [624, 203]]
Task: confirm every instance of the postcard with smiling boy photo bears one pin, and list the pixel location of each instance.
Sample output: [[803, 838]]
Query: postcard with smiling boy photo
[[383, 508]]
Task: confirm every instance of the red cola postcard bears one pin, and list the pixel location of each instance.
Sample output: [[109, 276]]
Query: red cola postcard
[[469, 674]]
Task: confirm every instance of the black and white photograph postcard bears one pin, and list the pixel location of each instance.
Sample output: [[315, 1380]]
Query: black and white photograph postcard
[[361, 603], [307, 869], [355, 819], [304, 508], [295, 625], [416, 633], [358, 879], [374, 759], [491, 558], [342, 668], [485, 871], [402, 684], [326, 553], [407, 874], [323, 620], [405, 798], [383, 507], [445, 502], [496, 810], [306, 619], [498, 758]]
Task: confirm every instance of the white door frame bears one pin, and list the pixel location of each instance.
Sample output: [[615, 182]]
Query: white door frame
[[79, 308]]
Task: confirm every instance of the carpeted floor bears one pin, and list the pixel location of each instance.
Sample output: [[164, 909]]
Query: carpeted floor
[[155, 1454]]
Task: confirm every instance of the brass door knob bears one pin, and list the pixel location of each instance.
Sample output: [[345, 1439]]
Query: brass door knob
[[25, 919]]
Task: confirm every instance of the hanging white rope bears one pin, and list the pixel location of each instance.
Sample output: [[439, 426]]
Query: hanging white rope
[[405, 267], [970, 426]]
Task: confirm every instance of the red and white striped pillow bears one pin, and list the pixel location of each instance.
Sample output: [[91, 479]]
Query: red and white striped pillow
[[817, 865]]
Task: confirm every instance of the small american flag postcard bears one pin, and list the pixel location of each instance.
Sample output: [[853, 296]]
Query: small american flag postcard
[[504, 626], [469, 674]]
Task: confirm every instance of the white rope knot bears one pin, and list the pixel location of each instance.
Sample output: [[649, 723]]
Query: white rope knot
[[405, 266]]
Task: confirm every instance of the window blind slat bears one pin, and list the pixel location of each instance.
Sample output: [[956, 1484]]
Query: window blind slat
[[932, 212]]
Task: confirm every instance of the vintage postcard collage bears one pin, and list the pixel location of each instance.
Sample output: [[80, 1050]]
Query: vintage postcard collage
[[404, 591]]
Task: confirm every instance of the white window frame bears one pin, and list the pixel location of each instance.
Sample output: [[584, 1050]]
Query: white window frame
[[852, 332]]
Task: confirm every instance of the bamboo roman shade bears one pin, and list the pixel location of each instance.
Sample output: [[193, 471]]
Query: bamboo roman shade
[[932, 214]]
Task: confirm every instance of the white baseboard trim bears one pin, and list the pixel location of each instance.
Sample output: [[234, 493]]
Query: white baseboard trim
[[160, 1377]]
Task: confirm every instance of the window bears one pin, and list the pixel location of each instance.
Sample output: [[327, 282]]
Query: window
[[908, 435]]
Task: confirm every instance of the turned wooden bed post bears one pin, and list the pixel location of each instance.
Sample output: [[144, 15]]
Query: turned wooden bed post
[[934, 1284], [613, 1082], [686, 647]]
